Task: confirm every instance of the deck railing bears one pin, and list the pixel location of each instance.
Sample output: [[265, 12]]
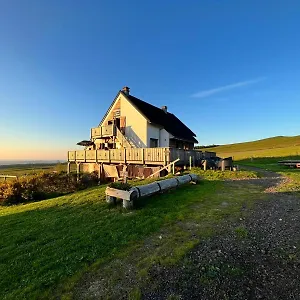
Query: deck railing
[[147, 156], [103, 131]]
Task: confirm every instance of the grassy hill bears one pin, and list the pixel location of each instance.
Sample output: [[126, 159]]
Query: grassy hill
[[280, 146]]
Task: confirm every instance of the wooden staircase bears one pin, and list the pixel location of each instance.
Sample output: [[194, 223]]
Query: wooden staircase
[[122, 139]]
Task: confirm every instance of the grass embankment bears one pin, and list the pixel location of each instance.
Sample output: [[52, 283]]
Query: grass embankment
[[280, 146], [47, 245]]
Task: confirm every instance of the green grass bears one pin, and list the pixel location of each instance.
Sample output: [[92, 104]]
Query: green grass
[[32, 169], [241, 232], [44, 243], [50, 243], [280, 146], [224, 175]]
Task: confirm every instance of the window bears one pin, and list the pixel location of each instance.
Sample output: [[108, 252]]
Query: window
[[153, 143]]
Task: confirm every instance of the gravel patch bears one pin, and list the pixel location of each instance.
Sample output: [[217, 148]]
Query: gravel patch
[[257, 257]]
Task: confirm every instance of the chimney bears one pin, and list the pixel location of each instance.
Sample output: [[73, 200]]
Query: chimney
[[126, 90], [164, 108]]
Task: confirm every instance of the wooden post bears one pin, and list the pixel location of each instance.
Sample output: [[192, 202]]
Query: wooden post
[[173, 168], [143, 156], [125, 173], [190, 162], [223, 165], [78, 171], [68, 167], [205, 165], [99, 172]]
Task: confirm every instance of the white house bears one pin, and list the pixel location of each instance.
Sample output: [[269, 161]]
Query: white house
[[132, 123]]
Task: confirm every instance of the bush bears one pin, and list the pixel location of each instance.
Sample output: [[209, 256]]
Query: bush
[[120, 186], [43, 186]]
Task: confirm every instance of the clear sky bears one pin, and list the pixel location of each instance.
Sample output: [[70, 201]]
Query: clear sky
[[230, 69]]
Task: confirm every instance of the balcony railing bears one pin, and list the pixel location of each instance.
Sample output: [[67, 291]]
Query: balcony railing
[[104, 131]]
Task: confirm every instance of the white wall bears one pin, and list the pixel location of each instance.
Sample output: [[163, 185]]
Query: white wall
[[164, 138], [138, 130], [136, 124], [153, 133]]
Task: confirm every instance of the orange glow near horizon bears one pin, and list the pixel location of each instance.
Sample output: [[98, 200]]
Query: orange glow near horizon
[[33, 154]]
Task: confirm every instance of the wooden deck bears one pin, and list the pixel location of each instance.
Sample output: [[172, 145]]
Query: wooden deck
[[139, 156]]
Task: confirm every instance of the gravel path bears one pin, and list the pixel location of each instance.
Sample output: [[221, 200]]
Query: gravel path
[[258, 257]]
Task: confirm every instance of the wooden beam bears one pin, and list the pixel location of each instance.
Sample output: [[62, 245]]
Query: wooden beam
[[165, 167]]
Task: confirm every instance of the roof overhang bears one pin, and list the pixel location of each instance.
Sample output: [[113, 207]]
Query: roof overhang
[[185, 140], [85, 143]]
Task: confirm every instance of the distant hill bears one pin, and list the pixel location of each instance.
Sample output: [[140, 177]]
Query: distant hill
[[279, 146]]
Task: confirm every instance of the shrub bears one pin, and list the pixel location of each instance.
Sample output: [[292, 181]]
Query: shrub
[[43, 186]]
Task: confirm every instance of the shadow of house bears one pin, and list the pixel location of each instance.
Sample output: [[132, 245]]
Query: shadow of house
[[133, 138]]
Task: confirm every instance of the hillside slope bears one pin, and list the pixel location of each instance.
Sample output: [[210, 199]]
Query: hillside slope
[[280, 146]]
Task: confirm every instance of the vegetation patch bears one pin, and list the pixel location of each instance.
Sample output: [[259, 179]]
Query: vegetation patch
[[224, 175], [42, 186], [241, 232], [120, 186]]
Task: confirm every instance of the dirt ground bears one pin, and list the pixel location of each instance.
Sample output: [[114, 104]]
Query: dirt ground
[[257, 257]]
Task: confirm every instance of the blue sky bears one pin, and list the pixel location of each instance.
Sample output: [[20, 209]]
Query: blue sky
[[227, 68]]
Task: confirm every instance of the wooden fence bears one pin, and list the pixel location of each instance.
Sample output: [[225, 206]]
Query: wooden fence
[[8, 176]]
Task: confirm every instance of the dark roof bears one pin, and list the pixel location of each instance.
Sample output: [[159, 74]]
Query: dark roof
[[166, 120]]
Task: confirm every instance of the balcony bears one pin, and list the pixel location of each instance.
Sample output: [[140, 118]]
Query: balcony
[[103, 131]]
